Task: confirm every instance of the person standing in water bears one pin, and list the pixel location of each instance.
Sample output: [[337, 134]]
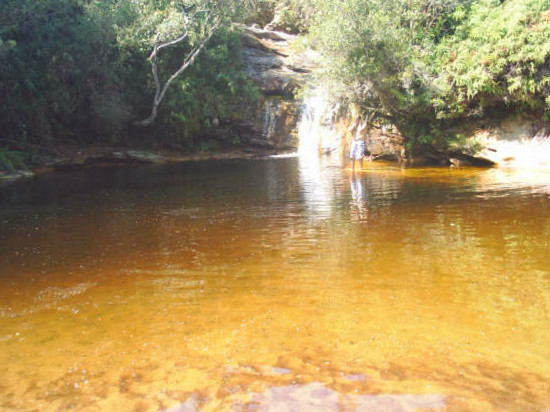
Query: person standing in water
[[357, 149]]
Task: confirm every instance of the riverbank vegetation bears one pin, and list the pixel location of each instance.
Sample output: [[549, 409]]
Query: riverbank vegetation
[[430, 66], [80, 70]]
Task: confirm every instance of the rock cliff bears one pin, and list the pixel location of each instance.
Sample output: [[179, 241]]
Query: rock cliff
[[273, 122]]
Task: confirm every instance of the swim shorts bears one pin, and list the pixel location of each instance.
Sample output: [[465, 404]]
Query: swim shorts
[[357, 150]]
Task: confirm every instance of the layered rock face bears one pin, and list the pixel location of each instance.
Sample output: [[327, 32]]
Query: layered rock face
[[273, 122]]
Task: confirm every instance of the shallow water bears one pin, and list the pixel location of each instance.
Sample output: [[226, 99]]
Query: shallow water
[[276, 285]]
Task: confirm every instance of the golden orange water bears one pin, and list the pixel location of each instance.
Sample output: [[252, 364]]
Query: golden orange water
[[276, 285]]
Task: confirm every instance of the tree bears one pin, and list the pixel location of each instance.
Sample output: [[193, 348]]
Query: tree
[[81, 68], [198, 21], [377, 47], [425, 63], [499, 54], [52, 54]]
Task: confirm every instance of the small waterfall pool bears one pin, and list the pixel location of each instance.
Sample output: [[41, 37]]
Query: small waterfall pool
[[275, 285]]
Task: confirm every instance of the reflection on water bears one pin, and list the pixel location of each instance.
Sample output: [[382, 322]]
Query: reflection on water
[[316, 187], [358, 200], [275, 285]]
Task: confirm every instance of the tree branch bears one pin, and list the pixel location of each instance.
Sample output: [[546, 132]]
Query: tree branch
[[160, 91]]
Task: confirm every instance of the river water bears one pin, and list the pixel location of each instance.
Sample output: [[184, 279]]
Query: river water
[[281, 284]]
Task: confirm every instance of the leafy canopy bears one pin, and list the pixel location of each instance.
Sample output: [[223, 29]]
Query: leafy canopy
[[80, 67], [424, 63]]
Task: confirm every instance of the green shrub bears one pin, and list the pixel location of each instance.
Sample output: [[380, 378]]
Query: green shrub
[[11, 160]]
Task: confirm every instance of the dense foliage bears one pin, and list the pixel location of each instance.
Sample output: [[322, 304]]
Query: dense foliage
[[425, 64], [79, 68], [498, 52], [82, 69]]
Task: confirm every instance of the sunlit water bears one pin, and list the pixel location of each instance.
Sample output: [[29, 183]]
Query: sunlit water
[[276, 285]]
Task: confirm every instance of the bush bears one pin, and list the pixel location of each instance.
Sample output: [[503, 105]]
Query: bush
[[11, 160], [424, 64]]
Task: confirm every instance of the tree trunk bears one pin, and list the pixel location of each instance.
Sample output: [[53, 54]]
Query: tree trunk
[[160, 91]]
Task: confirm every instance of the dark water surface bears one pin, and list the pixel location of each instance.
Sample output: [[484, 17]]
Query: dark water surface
[[276, 285]]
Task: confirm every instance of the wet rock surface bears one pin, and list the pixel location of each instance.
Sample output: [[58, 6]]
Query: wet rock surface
[[273, 121], [73, 158]]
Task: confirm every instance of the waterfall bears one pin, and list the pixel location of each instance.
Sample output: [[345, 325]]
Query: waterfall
[[316, 130], [270, 119], [310, 123]]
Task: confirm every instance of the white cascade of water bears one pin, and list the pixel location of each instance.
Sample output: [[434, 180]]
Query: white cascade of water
[[316, 129], [308, 128]]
